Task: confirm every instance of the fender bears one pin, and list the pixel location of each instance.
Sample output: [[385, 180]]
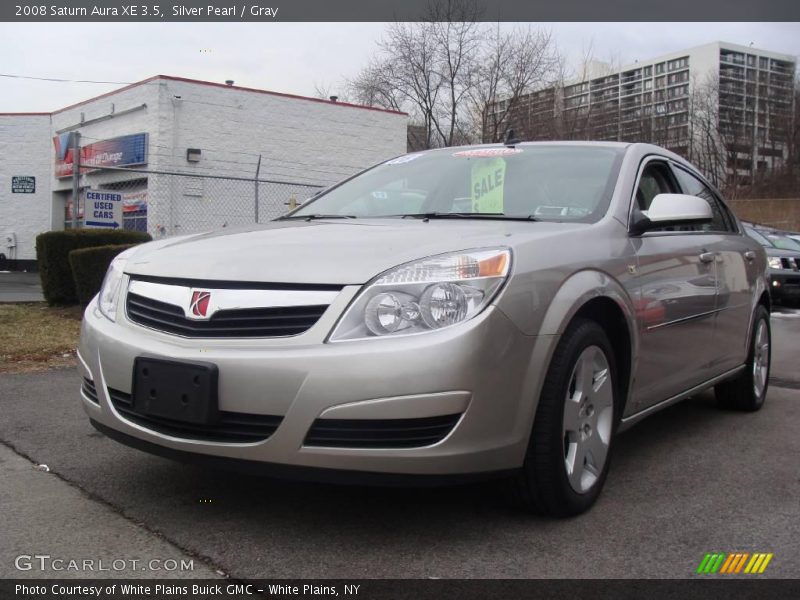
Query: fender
[[578, 289]]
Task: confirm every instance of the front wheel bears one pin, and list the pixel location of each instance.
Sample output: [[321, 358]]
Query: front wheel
[[747, 390], [570, 447]]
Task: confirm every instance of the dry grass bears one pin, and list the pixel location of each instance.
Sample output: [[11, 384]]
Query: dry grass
[[34, 336]]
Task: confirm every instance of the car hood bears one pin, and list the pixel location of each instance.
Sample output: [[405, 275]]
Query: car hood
[[324, 252]]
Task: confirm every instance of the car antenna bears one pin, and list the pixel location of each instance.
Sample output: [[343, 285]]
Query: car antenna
[[510, 139]]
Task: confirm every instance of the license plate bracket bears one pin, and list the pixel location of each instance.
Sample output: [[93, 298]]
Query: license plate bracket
[[180, 391]]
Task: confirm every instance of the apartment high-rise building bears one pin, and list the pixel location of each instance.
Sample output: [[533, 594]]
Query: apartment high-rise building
[[742, 95]]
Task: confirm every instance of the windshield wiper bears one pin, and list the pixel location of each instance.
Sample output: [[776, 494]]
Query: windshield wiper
[[468, 215], [313, 217]]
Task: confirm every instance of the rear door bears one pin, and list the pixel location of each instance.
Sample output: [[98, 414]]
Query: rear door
[[677, 289]]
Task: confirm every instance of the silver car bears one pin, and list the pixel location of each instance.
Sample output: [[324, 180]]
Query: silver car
[[484, 311]]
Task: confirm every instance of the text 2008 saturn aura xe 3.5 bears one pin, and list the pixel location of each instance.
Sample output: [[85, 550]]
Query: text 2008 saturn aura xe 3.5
[[479, 311]]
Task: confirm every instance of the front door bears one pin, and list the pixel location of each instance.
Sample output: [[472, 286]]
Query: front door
[[736, 275], [676, 299]]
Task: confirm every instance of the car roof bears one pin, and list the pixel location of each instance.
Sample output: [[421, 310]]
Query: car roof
[[577, 143], [642, 148]]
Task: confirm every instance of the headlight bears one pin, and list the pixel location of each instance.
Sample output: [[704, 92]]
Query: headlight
[[426, 295], [109, 292], [775, 262]]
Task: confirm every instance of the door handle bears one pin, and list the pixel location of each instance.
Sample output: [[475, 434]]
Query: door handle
[[750, 255], [707, 257]]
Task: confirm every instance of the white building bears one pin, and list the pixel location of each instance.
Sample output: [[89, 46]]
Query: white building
[[650, 101], [225, 134]]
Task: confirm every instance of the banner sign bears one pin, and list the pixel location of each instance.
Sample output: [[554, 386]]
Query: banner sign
[[103, 210], [23, 184], [134, 201], [124, 151]]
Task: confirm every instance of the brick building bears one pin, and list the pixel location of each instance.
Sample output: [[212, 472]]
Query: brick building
[[174, 124]]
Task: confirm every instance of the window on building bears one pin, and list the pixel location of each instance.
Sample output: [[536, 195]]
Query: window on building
[[678, 63]]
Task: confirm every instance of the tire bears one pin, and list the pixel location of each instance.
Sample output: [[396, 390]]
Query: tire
[[566, 463], [747, 391]]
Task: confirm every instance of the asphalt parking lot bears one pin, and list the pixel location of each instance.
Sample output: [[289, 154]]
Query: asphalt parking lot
[[689, 480], [20, 287]]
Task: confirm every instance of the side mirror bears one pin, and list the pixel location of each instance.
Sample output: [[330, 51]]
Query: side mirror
[[671, 210]]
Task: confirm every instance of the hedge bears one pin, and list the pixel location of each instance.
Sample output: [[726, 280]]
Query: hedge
[[52, 254], [89, 266]]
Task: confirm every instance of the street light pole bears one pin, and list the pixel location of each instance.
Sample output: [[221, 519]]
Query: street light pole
[[76, 174]]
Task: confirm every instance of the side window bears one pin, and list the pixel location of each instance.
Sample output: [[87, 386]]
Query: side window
[[656, 179], [693, 186]]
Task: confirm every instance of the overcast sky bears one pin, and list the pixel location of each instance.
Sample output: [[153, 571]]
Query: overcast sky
[[288, 57]]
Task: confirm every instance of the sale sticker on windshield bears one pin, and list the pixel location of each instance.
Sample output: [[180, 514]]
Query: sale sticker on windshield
[[488, 177]]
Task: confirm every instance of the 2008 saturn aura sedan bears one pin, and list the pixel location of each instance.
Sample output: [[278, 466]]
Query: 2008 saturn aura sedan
[[462, 312]]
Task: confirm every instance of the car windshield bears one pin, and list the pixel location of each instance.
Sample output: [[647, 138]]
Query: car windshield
[[784, 243], [758, 237], [549, 183]]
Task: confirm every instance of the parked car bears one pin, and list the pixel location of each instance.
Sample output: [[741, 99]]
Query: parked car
[[377, 334], [783, 258]]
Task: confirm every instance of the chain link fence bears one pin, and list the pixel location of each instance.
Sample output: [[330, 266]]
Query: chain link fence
[[169, 203]]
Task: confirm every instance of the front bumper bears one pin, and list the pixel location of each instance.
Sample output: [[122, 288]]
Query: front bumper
[[485, 369], [784, 284]]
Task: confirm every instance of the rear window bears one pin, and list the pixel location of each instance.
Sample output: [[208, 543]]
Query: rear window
[[551, 183]]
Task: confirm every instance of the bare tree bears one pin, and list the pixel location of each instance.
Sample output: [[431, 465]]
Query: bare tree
[[375, 85], [457, 37], [514, 65], [708, 146], [322, 89], [450, 70], [405, 75]]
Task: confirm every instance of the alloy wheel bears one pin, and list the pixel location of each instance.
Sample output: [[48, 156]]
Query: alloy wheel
[[588, 419]]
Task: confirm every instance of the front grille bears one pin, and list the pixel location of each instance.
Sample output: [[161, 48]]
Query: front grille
[[275, 321], [790, 263], [233, 427], [87, 387], [383, 433]]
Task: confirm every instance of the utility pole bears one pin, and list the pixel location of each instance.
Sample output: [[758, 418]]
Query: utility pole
[[76, 175]]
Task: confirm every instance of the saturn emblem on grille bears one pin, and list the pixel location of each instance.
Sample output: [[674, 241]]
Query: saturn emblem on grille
[[199, 304]]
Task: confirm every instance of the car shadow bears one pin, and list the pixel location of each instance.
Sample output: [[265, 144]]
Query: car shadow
[[212, 489]]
